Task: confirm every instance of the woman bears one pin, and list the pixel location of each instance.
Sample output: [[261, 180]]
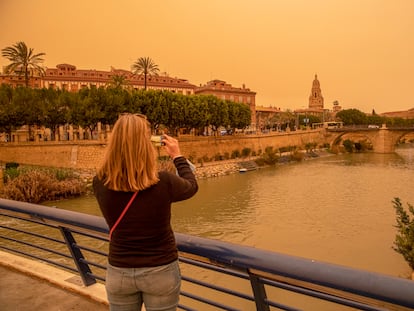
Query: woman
[[143, 259]]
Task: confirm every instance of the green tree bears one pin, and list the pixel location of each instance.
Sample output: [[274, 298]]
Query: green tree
[[196, 113], [376, 119], [23, 60], [404, 240], [27, 104], [118, 81], [145, 66], [352, 117], [239, 115], [88, 110], [176, 116], [10, 112], [115, 102], [55, 105], [218, 112]]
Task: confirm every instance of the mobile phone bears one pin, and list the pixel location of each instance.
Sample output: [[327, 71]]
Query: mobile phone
[[157, 140]]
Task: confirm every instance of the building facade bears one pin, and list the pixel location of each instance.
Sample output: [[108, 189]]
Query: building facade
[[68, 77]]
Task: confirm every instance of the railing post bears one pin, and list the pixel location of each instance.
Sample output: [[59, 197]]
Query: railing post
[[77, 256], [259, 292]]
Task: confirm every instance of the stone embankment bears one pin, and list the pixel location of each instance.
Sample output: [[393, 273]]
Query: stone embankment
[[216, 169], [227, 167]]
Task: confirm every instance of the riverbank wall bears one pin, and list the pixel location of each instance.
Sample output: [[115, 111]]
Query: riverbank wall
[[87, 155]]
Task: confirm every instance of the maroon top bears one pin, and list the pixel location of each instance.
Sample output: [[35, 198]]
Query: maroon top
[[144, 237]]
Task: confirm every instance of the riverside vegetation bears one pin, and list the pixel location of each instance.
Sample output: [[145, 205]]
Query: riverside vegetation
[[404, 240], [40, 184]]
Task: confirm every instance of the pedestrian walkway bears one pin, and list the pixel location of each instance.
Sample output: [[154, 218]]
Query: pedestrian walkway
[[26, 285]]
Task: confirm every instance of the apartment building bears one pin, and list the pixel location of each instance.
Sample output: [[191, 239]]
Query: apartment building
[[68, 77]]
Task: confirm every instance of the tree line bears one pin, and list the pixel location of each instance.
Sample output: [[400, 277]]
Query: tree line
[[357, 117], [51, 108]]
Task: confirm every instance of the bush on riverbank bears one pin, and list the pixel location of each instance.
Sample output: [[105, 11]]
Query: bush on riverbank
[[36, 185], [404, 240], [281, 155]]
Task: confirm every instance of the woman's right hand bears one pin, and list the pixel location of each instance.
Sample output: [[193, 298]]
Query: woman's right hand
[[171, 146]]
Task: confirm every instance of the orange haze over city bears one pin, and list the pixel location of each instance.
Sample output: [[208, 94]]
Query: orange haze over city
[[361, 50]]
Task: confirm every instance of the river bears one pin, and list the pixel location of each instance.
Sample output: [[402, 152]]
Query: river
[[336, 209]]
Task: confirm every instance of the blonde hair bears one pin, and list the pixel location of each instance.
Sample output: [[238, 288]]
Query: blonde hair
[[130, 162]]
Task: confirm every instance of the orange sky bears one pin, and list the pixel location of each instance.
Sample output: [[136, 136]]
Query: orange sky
[[361, 50]]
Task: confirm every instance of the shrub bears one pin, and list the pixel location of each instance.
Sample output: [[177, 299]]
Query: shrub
[[260, 162], [246, 152], [404, 240], [348, 145], [310, 146], [39, 185], [235, 154], [10, 173], [218, 157], [269, 157], [10, 165], [297, 156]]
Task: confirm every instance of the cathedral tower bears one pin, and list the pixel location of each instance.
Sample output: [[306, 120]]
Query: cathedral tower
[[316, 99]]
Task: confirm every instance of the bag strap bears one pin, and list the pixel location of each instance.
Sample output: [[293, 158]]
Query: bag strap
[[122, 214]]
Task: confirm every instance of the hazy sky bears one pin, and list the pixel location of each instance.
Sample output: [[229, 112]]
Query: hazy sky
[[361, 50]]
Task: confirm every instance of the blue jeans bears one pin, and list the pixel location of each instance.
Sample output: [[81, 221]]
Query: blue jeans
[[158, 288]]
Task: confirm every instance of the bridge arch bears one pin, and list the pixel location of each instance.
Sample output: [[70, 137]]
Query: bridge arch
[[383, 140], [360, 138]]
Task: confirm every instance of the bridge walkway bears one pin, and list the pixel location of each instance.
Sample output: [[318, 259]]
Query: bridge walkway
[[24, 287]]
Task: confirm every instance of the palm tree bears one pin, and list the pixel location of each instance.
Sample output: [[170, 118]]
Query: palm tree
[[145, 66], [118, 81], [23, 60]]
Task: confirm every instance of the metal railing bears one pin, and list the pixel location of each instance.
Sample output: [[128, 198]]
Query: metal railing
[[216, 275]]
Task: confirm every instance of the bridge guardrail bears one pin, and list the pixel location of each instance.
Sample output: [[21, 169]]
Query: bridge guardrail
[[233, 277]]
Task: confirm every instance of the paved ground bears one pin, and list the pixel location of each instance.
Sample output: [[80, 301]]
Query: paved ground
[[26, 285], [21, 292]]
